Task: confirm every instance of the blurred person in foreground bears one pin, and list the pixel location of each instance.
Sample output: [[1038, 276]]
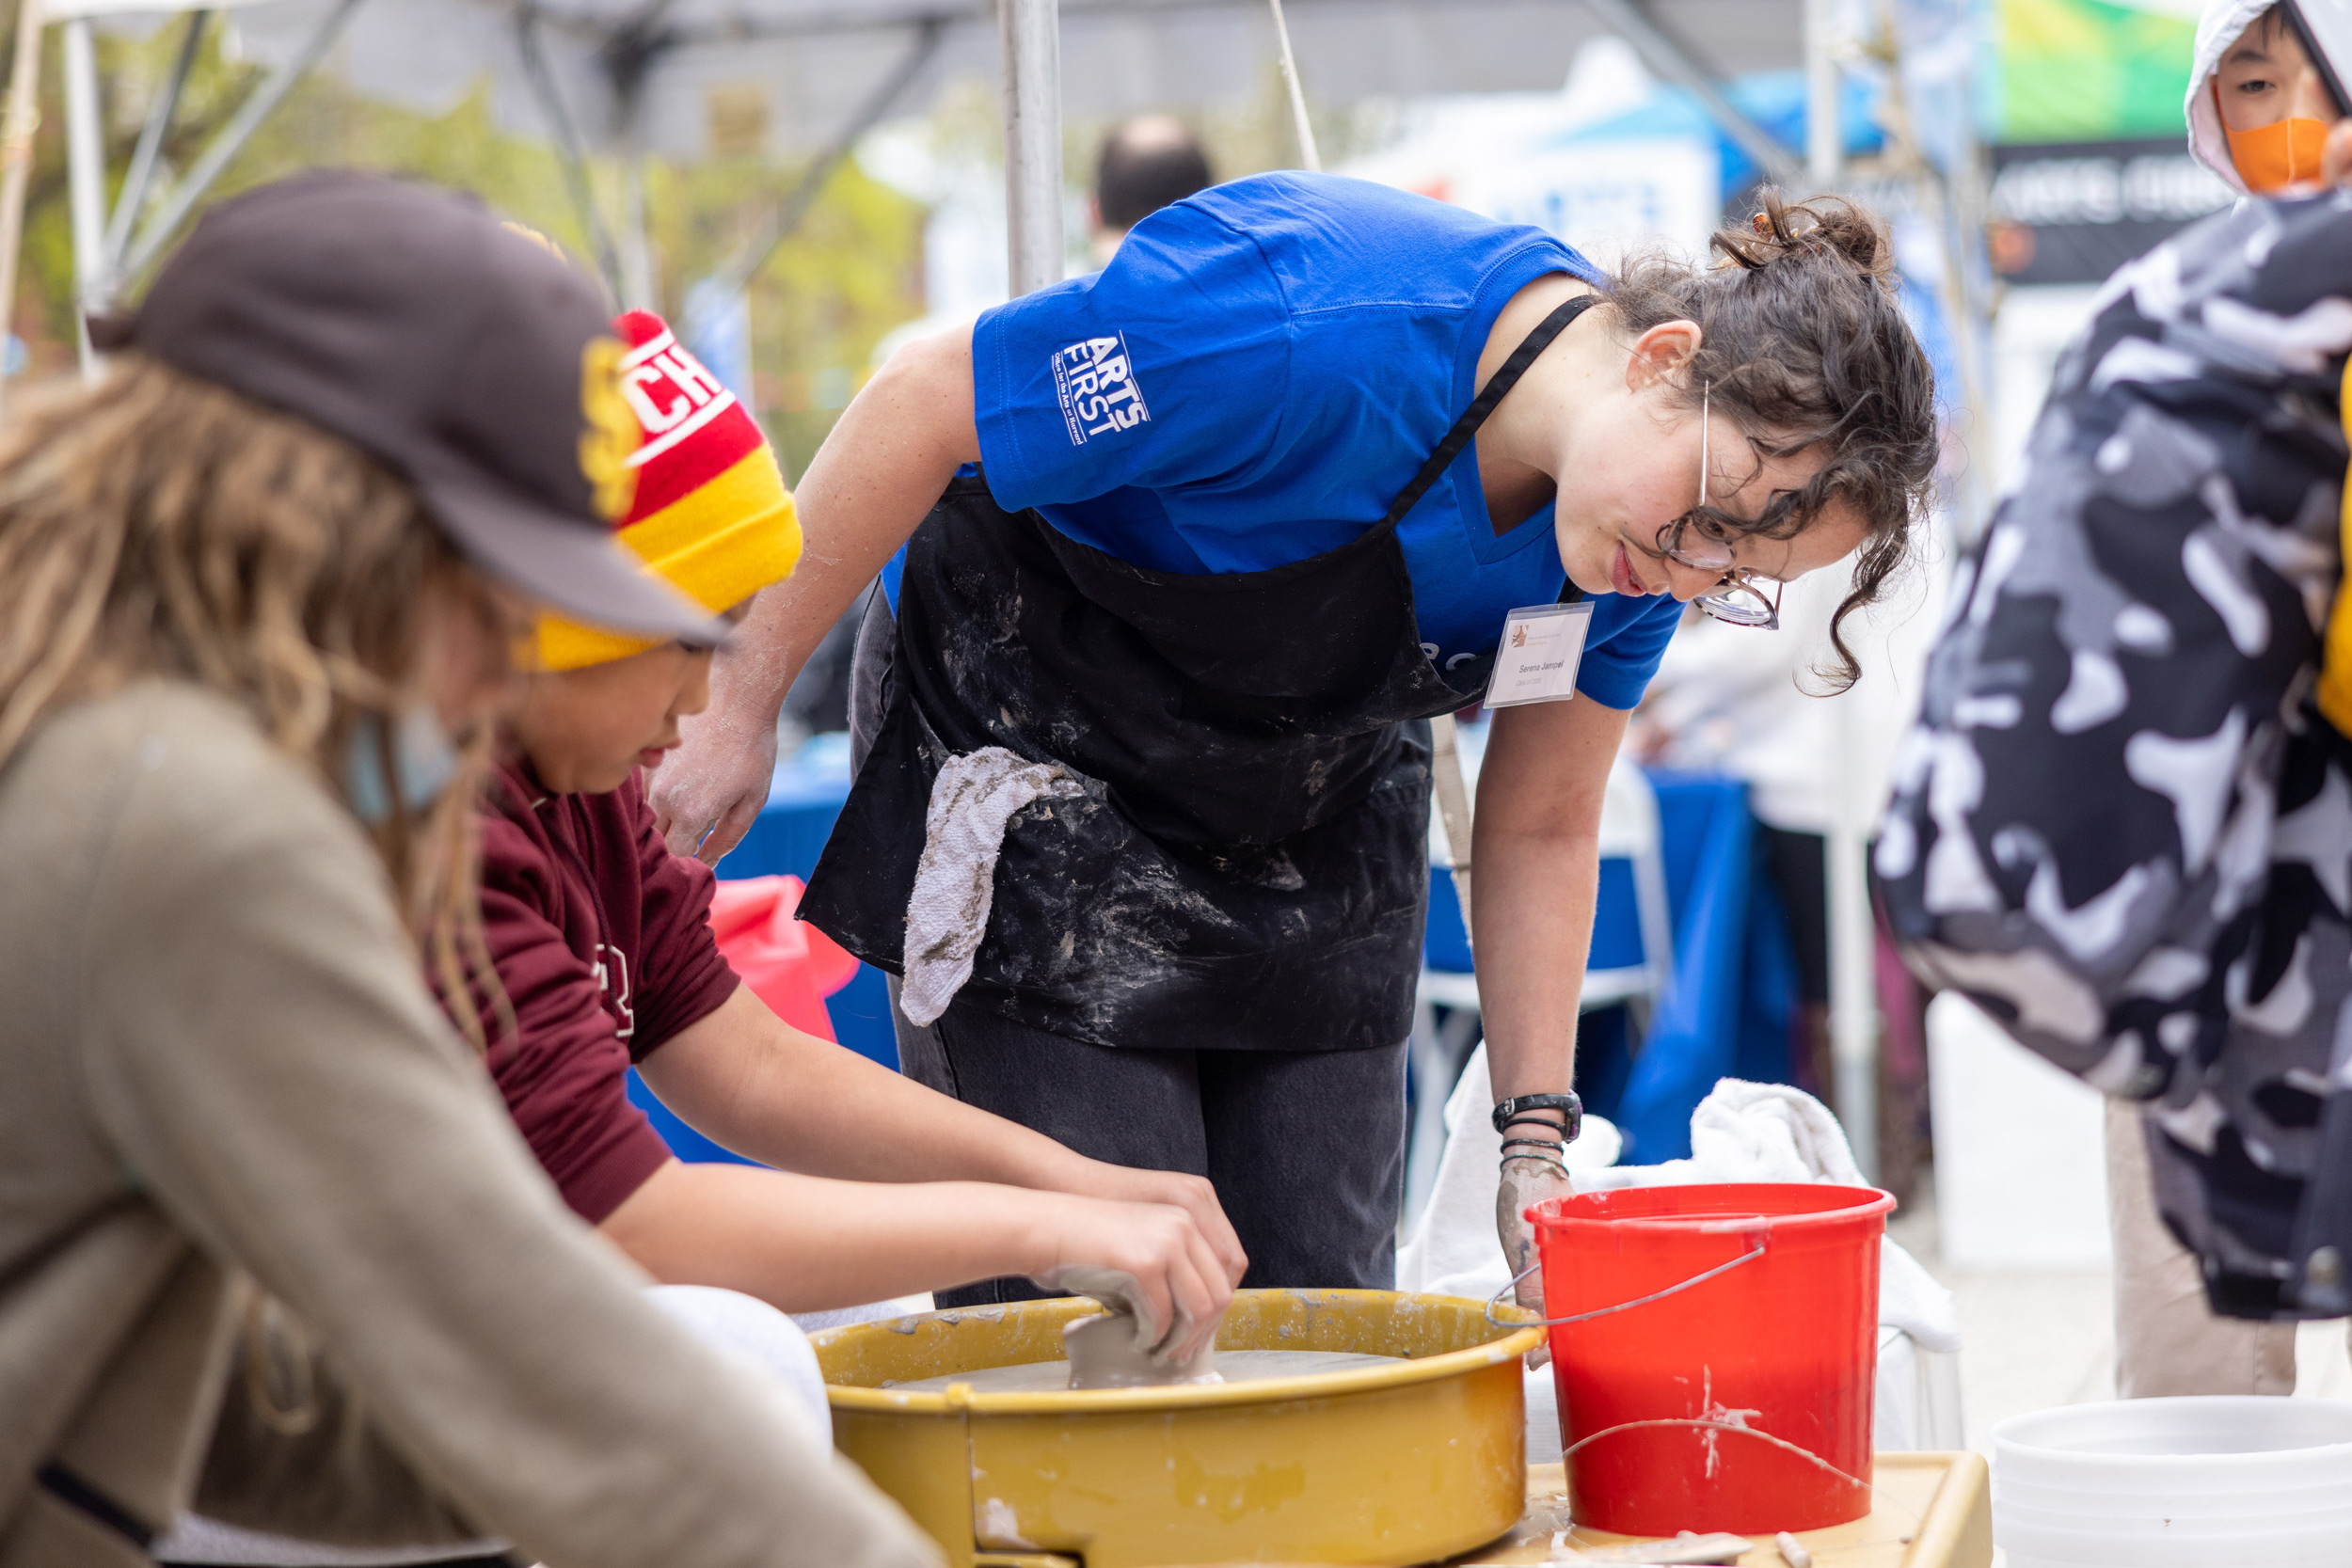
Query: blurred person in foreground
[[2121, 825], [2261, 117], [271, 1247]]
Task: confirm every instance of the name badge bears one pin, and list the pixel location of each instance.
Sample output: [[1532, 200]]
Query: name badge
[[1542, 645]]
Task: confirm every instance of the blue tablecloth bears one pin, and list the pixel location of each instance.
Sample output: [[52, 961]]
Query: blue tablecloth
[[1730, 1011]]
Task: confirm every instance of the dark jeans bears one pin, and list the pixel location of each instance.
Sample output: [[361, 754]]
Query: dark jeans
[[1306, 1148]]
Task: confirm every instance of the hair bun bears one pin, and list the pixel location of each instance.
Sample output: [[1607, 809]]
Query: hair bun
[[1824, 228]]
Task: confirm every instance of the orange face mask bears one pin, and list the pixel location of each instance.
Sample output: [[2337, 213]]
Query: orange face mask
[[2275, 156]]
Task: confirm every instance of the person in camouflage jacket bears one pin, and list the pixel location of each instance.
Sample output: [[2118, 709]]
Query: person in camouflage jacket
[[2121, 824]]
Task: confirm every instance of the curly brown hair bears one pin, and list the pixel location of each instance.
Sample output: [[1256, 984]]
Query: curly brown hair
[[1804, 347]]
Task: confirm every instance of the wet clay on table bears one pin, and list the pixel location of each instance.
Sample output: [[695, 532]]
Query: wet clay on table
[[1232, 1365]]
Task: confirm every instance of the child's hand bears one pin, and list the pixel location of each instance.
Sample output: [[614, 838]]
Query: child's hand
[[1192, 1194], [1183, 1283]]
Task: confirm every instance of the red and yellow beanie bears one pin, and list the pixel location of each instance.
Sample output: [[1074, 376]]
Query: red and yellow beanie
[[710, 513]]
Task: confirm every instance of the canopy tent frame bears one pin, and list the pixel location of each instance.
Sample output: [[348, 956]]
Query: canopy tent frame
[[105, 254], [224, 146], [570, 150], [736, 274], [133, 198], [1632, 22], [631, 51]]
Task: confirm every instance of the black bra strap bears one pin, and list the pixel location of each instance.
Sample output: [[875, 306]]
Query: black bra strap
[[1475, 415]]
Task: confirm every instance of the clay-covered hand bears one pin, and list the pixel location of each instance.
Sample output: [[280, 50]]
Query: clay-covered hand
[[1121, 1348], [1178, 1286], [1525, 1183], [708, 793], [1192, 1194]]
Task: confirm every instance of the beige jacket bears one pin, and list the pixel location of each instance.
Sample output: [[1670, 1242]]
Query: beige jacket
[[221, 1074]]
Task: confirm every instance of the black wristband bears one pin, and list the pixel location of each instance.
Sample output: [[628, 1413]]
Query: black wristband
[[1516, 1108]]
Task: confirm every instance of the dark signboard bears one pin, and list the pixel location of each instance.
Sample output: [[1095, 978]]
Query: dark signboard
[[2073, 212]]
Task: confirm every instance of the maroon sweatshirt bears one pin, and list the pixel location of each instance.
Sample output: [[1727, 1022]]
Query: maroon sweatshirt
[[601, 939]]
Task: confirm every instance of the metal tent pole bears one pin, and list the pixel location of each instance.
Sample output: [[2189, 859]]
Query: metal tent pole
[[1310, 156], [1853, 1016], [16, 155], [231, 141], [142, 171], [571, 150], [636, 240], [1824, 133], [1033, 185], [1853, 1002], [738, 274], [1631, 22], [85, 182]]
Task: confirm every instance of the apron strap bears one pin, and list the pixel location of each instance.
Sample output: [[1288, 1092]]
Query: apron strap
[[1484, 404]]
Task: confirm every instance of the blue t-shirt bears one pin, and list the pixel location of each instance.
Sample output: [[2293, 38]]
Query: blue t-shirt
[[1258, 372]]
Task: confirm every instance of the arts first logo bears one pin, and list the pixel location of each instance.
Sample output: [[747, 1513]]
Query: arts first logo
[[1095, 380]]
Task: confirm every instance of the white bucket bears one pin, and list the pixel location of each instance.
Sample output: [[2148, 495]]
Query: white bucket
[[2203, 1481]]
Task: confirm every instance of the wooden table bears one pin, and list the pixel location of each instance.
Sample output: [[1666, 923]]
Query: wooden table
[[1933, 1511]]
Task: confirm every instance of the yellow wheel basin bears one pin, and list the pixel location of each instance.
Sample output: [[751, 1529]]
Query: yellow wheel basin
[[1382, 1466]]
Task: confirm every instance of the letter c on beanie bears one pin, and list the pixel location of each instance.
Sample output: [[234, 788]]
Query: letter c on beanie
[[710, 513]]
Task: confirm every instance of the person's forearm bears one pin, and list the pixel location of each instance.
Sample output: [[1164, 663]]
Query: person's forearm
[[1536, 871], [749, 1080], [1532, 920], [808, 1244], [870, 484], [764, 1089]]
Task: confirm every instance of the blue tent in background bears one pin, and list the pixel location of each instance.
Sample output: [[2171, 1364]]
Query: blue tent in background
[[1775, 100]]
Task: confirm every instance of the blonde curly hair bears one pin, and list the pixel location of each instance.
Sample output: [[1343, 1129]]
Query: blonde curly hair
[[159, 524]]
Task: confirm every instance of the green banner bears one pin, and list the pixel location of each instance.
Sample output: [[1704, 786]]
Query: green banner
[[2086, 70]]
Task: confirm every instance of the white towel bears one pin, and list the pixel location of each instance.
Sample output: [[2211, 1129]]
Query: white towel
[[1744, 1131], [971, 800], [1740, 1131]]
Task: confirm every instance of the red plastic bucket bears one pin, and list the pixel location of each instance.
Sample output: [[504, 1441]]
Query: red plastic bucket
[[1751, 1306]]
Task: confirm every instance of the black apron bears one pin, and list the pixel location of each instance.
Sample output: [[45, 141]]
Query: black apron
[[1246, 868]]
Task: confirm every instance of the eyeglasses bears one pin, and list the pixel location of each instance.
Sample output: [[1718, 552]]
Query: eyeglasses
[[1743, 599]]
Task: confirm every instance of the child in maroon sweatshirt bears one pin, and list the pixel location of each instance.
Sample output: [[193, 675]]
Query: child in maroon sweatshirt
[[881, 1187]]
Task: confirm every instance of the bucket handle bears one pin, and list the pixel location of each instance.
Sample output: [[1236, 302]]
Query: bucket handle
[[1756, 1250]]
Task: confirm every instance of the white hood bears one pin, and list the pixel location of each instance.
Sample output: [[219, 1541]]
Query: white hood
[[2216, 29]]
